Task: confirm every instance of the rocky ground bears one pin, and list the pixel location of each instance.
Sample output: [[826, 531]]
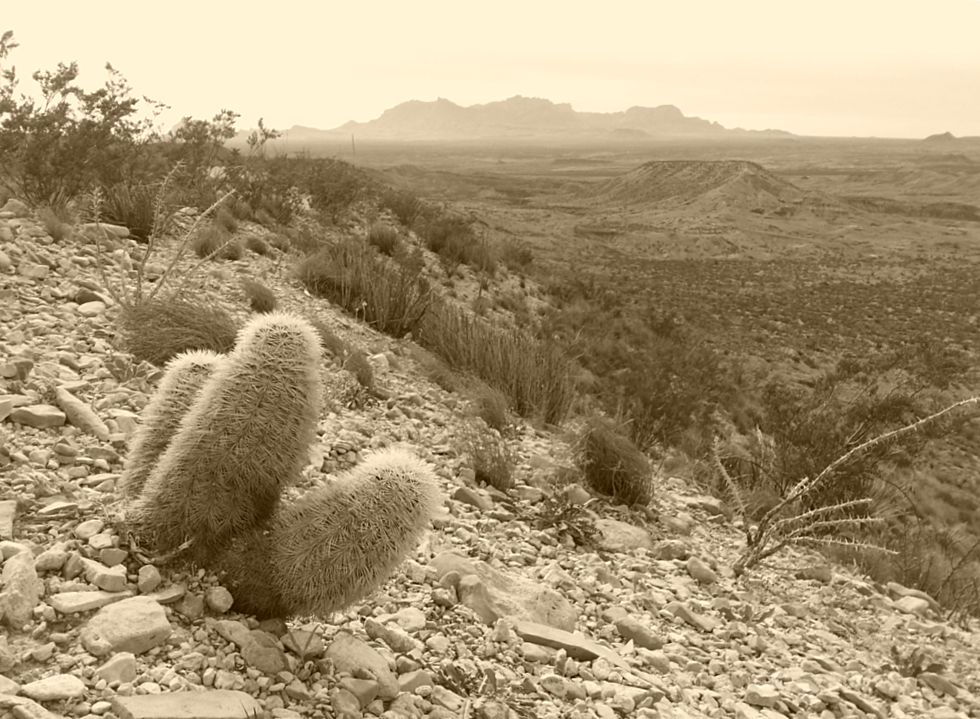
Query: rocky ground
[[538, 602]]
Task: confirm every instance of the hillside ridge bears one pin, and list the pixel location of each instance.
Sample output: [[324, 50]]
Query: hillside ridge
[[646, 619]]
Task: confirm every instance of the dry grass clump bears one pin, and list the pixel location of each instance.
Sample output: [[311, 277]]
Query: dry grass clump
[[224, 219], [209, 241], [490, 405], [612, 464], [535, 376], [491, 459], [257, 245], [157, 330], [260, 298], [368, 286], [55, 226], [384, 238]]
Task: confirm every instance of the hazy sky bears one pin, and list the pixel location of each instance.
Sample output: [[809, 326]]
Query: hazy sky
[[888, 68]]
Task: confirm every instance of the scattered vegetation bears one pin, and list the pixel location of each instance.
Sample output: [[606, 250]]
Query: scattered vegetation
[[384, 238], [611, 464], [156, 330], [533, 374], [490, 458], [257, 245], [260, 298], [371, 287]]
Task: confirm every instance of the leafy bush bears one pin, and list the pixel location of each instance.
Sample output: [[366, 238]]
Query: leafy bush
[[534, 374], [54, 150], [260, 298], [611, 464], [155, 331], [368, 286], [384, 238], [492, 461]]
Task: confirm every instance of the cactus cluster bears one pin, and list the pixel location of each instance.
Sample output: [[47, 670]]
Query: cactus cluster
[[224, 436]]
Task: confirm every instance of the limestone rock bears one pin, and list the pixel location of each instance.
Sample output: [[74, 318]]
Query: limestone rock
[[56, 688], [21, 590], [81, 415], [39, 416], [213, 704], [136, 625], [350, 654], [619, 536], [508, 596]]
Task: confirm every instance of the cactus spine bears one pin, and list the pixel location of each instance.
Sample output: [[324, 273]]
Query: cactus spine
[[337, 544], [182, 381], [245, 437]]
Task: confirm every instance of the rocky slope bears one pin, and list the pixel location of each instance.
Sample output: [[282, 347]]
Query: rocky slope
[[538, 602]]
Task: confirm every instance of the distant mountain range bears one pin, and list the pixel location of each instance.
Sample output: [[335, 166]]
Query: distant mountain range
[[522, 117]]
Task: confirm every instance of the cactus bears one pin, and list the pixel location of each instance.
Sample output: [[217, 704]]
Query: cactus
[[245, 437], [185, 375], [336, 544]]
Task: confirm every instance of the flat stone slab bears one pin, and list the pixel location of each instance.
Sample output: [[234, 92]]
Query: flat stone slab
[[216, 704], [73, 602]]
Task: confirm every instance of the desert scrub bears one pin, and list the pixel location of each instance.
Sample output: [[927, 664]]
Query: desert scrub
[[488, 454], [138, 207], [534, 374], [256, 244], [373, 288], [211, 242], [260, 298], [157, 330], [384, 238], [611, 464], [55, 226], [490, 405]]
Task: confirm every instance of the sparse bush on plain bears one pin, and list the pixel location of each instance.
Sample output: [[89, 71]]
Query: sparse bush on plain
[[260, 298], [156, 330], [405, 205], [612, 464], [384, 238], [535, 375], [368, 286]]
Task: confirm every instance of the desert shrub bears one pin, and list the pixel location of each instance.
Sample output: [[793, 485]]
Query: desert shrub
[[533, 373], [137, 207], [242, 210], [612, 464], [490, 405], [516, 255], [211, 241], [224, 219], [356, 362], [368, 286], [232, 251], [154, 331], [489, 456], [55, 226], [943, 562], [260, 298], [54, 149], [257, 245], [481, 305], [862, 397], [409, 257], [307, 239], [384, 238], [404, 205], [265, 218]]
